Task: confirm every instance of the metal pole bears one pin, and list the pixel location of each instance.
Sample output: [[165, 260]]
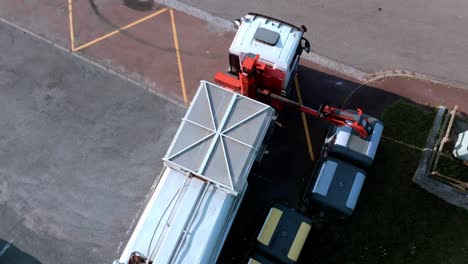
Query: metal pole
[[446, 137]]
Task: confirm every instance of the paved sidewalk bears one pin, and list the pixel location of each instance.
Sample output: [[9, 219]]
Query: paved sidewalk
[[142, 46], [425, 36]]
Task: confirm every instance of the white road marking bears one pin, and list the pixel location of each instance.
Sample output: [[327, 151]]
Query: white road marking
[[5, 248], [190, 10], [335, 66]]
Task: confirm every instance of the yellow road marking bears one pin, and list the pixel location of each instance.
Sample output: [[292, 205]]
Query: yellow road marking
[[179, 61], [304, 121], [70, 22], [120, 29]]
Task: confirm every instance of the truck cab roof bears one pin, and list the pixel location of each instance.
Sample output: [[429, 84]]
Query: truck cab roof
[[275, 41]]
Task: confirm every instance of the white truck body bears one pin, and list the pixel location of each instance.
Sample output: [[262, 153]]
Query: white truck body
[[190, 212]]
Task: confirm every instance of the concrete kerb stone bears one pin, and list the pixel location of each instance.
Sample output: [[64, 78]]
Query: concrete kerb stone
[[445, 192]]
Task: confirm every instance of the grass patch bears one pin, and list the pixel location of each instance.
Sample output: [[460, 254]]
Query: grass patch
[[408, 123], [395, 220], [453, 168]]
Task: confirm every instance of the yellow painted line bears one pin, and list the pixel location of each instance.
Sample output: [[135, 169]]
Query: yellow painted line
[[299, 241], [269, 226], [304, 121], [70, 22], [179, 61], [120, 29]]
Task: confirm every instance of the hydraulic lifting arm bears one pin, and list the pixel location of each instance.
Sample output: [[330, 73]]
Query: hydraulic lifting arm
[[336, 116], [246, 84]]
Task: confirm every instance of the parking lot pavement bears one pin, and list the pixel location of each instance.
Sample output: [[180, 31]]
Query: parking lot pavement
[[80, 148], [79, 151], [166, 51], [169, 52]]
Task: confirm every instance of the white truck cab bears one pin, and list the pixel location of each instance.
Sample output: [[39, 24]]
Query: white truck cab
[[278, 43]]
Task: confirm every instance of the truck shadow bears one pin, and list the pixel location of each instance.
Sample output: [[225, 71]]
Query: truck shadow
[[283, 174], [320, 88], [10, 254]]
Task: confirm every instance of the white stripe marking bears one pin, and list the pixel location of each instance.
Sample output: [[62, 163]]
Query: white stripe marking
[[5, 248], [190, 10]]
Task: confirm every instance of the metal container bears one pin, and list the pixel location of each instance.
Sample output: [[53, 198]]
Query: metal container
[[344, 143], [283, 234], [460, 149], [337, 185]]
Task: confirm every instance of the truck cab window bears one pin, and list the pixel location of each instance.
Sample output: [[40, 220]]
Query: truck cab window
[[234, 64]]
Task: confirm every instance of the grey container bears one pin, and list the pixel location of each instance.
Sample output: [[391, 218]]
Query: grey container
[[338, 185], [344, 143]]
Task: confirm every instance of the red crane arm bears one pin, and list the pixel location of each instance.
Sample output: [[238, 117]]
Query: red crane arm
[[246, 84], [336, 116]]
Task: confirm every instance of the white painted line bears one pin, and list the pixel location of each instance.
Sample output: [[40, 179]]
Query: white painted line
[[190, 10], [335, 66], [5, 248], [371, 77]]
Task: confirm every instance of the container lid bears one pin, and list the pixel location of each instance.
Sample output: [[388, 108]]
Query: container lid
[[338, 185], [349, 146], [219, 136]]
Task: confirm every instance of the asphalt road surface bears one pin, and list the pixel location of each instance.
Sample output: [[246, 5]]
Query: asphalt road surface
[[426, 36], [79, 152]]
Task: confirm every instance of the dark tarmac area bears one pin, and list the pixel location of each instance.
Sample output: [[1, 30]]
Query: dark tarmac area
[[284, 174]]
